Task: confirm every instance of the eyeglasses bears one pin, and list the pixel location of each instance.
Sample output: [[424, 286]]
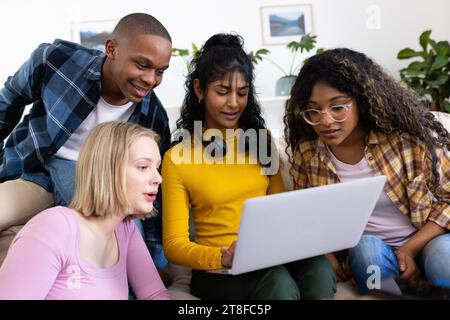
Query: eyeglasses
[[337, 113]]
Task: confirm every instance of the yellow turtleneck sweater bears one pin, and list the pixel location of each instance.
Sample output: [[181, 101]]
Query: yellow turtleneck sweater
[[215, 193]]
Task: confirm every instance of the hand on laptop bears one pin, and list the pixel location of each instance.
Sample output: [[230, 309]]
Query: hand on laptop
[[227, 255]]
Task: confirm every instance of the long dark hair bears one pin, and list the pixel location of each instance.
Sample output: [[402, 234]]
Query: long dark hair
[[222, 54], [384, 104]]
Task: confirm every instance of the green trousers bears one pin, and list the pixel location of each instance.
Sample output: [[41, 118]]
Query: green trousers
[[311, 278]]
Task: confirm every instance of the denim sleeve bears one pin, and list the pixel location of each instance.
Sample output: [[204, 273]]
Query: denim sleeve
[[153, 226], [153, 235], [20, 90]]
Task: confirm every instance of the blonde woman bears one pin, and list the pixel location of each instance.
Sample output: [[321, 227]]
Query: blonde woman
[[92, 249]]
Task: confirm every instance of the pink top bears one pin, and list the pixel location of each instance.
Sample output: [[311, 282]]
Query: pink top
[[387, 221], [44, 262]]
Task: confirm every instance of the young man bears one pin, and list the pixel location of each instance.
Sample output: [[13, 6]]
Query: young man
[[73, 89]]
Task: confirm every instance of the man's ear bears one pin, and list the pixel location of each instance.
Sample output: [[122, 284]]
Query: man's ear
[[198, 90], [110, 48]]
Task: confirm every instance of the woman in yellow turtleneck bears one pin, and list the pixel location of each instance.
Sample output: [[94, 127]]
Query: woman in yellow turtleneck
[[213, 180]]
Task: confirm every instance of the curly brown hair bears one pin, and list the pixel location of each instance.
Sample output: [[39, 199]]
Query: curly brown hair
[[385, 105]]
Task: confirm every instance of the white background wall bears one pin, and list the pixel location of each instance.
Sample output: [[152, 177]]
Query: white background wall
[[26, 23]]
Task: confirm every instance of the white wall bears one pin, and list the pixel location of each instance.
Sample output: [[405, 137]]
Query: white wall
[[26, 23]]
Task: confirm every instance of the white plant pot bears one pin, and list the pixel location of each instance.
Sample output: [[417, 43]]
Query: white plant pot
[[283, 85]]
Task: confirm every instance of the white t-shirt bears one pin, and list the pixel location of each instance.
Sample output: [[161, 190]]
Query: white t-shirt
[[103, 112], [386, 222]]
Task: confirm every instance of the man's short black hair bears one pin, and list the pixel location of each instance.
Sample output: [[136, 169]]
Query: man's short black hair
[[141, 23]]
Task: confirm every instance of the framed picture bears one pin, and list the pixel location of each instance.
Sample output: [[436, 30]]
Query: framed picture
[[93, 34], [282, 24]]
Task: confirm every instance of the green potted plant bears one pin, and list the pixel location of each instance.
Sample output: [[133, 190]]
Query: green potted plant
[[284, 84], [185, 54], [430, 75]]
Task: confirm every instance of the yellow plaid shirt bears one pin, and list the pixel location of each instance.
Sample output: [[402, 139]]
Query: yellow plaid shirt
[[402, 159]]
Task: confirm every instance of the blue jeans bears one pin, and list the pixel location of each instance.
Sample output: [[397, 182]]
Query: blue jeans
[[62, 174], [372, 255]]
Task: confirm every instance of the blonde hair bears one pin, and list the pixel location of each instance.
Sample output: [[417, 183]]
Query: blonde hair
[[100, 173]]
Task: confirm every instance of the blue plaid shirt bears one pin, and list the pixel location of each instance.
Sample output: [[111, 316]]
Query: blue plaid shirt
[[63, 82]]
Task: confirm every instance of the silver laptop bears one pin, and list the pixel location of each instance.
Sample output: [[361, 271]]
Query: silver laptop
[[295, 225]]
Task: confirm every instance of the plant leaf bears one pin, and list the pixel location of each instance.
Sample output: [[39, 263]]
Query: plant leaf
[[416, 65], [447, 106], [256, 57], [428, 62], [251, 55], [307, 42], [443, 48], [439, 81], [424, 39], [439, 62], [417, 86], [420, 90], [262, 51], [320, 50], [408, 53], [433, 45], [293, 46], [177, 52]]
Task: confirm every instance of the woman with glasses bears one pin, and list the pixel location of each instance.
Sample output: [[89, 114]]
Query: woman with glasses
[[347, 119]]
